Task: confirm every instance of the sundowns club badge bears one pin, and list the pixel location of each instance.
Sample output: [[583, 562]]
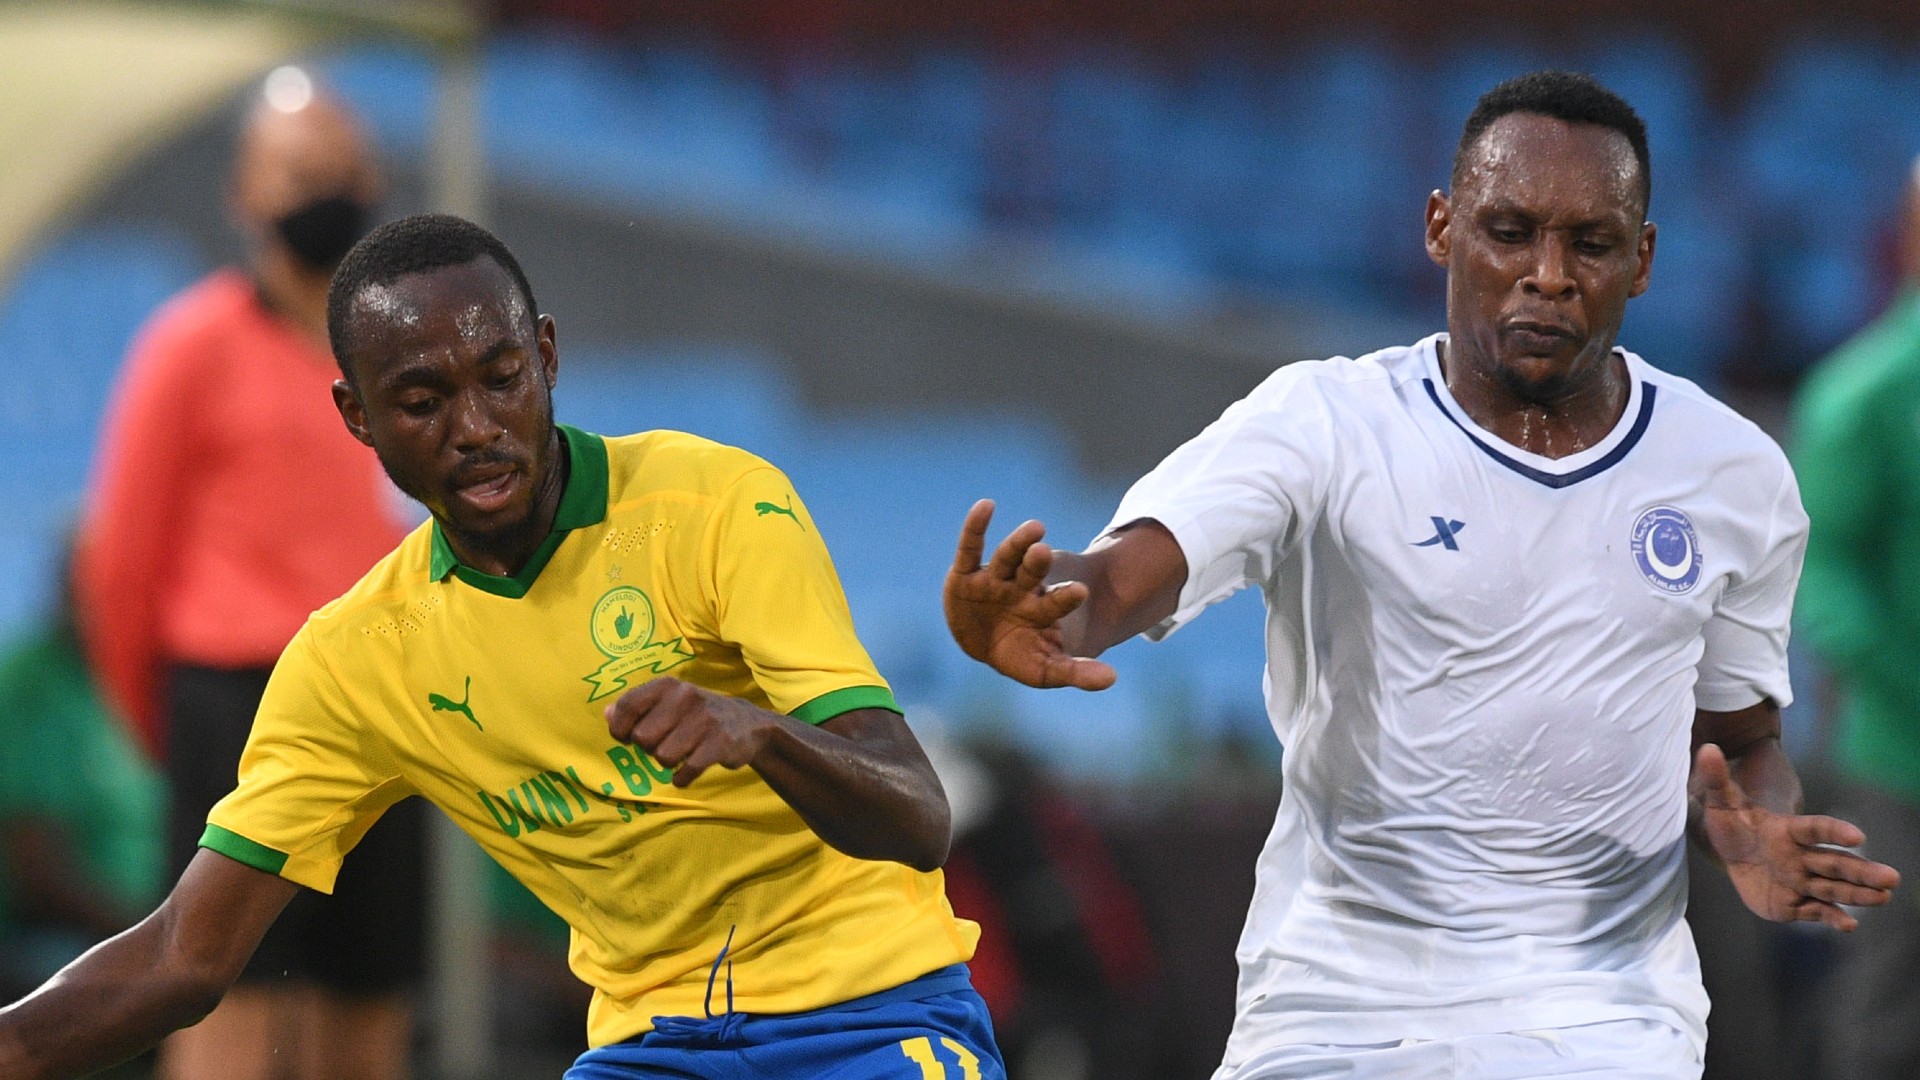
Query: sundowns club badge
[[1666, 549], [622, 627]]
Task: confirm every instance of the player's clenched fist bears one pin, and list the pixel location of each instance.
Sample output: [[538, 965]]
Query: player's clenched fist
[[689, 729]]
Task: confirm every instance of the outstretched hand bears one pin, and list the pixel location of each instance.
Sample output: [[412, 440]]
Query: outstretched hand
[[1003, 614], [1786, 867]]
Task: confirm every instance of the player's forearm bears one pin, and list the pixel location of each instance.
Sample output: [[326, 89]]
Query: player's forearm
[[1766, 774], [1084, 630], [1133, 578], [118, 999], [1767, 777], [1113, 611], [862, 787]]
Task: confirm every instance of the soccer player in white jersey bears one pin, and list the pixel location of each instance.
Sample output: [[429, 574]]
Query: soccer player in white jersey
[[1527, 604]]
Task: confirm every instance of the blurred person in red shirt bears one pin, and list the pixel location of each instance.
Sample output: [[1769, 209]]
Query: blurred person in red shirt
[[229, 503]]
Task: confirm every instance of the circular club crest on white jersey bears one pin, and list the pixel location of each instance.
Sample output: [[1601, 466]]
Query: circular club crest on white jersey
[[1667, 549]]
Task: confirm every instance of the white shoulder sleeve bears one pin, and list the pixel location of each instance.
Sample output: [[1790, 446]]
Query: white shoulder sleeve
[[1746, 639], [1236, 495]]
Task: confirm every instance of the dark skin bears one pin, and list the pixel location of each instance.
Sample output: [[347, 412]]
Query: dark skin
[[1544, 241], [860, 781], [452, 381], [452, 387], [1744, 810]]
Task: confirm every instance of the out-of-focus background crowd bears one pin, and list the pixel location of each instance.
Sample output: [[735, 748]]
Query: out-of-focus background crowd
[[921, 254]]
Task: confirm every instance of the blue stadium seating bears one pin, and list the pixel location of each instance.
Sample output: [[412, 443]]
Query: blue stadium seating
[[617, 391], [1300, 174], [1824, 147], [1341, 174], [65, 324], [1664, 82], [391, 86]]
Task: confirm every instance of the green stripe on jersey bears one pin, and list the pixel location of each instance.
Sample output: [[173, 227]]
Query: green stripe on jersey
[[242, 850], [832, 704]]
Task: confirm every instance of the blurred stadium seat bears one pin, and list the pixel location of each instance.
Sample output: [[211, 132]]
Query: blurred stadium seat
[[728, 394], [1299, 174], [1823, 150], [65, 324]]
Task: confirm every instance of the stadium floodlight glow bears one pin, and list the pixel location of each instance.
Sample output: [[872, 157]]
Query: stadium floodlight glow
[[288, 89]]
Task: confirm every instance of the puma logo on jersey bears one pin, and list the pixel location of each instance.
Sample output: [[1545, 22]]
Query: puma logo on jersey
[[443, 703], [765, 508], [1444, 532]]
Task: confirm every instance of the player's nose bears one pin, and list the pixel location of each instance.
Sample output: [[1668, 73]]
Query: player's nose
[[472, 422], [1549, 271]]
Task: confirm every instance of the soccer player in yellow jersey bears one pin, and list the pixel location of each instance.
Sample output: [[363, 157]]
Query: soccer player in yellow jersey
[[623, 665]]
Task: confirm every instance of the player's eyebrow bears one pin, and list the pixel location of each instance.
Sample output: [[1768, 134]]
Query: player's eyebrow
[[419, 372], [410, 374], [497, 350], [1503, 207]]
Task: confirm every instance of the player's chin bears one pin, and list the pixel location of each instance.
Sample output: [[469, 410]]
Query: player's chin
[[487, 524], [1539, 377]]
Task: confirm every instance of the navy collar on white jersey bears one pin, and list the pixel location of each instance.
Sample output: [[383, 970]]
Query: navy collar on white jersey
[[1609, 459]]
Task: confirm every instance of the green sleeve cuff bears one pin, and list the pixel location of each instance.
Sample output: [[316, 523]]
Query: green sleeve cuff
[[242, 850], [832, 704]]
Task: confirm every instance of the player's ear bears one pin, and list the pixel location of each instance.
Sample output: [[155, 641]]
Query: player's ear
[[1439, 227], [352, 411], [549, 349], [1644, 276]]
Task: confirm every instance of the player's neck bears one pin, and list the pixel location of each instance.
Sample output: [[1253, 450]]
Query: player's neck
[[1577, 416]]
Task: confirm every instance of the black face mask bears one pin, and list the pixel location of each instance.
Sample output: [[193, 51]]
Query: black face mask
[[322, 232]]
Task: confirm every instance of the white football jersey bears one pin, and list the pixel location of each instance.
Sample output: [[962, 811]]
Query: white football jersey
[[1483, 665]]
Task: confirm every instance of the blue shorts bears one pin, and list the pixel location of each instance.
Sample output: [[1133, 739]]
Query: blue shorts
[[933, 1028]]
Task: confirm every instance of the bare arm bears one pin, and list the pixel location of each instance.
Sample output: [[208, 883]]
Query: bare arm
[[1744, 810], [1749, 740], [165, 973], [1040, 616], [860, 780]]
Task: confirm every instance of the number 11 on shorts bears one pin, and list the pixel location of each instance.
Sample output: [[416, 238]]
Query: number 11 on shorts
[[920, 1052]]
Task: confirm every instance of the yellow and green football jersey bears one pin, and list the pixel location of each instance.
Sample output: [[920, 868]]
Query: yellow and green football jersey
[[670, 554]]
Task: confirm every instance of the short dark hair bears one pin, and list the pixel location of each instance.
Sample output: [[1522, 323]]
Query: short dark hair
[[1562, 95], [411, 245]]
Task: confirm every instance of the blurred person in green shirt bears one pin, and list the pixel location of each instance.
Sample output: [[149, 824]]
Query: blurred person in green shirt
[[1857, 453], [81, 810]]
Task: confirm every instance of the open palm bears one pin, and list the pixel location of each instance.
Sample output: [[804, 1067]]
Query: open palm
[[1786, 867], [1003, 613]]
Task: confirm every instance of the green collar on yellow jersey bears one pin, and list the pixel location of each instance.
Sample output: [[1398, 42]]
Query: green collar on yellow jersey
[[582, 503]]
